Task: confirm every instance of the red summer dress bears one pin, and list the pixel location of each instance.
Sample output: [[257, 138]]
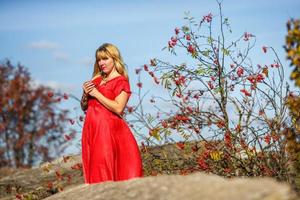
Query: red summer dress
[[109, 149]]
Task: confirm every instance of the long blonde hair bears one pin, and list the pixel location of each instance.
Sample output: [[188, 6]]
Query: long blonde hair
[[109, 50]]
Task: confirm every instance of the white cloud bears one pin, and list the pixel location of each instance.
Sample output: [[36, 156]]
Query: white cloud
[[53, 47], [61, 56], [86, 61], [68, 88], [43, 44]]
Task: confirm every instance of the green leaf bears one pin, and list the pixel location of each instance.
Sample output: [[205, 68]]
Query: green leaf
[[226, 52], [167, 132], [206, 53], [200, 71], [150, 118], [217, 90], [183, 134], [166, 83], [209, 40], [174, 91], [185, 29]]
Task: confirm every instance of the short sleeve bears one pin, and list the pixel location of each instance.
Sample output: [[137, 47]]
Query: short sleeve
[[122, 85]]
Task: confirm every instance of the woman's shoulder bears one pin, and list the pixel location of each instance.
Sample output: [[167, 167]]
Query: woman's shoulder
[[95, 77], [121, 80], [122, 77]]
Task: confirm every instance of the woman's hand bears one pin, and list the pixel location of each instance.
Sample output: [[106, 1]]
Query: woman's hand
[[93, 92], [88, 86]]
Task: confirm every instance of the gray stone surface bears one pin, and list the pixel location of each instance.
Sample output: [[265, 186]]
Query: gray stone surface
[[175, 187]]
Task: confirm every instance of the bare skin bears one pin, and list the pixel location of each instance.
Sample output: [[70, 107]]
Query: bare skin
[[118, 104]]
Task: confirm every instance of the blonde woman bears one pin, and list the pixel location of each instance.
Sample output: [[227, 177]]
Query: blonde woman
[[109, 150]]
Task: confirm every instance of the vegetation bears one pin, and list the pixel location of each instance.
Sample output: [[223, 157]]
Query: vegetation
[[221, 97], [31, 125], [292, 134], [221, 112]]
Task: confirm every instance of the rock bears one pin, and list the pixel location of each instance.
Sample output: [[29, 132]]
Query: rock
[[31, 180], [200, 185], [176, 187]]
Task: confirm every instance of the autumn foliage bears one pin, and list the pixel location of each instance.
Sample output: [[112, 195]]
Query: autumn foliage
[[219, 96], [32, 127], [221, 112], [292, 48]]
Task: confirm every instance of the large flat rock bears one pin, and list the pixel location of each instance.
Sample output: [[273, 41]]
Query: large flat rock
[[176, 187]]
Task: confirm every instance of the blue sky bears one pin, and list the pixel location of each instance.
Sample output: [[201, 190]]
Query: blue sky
[[56, 40]]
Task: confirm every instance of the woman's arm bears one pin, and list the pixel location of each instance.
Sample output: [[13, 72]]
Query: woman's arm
[[117, 106], [87, 87], [84, 101]]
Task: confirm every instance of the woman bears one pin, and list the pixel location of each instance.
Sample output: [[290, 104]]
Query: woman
[[109, 150]]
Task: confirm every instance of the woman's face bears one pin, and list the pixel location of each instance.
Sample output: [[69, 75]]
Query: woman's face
[[106, 64]]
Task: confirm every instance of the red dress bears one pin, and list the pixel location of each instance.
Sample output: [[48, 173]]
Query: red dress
[[109, 150]]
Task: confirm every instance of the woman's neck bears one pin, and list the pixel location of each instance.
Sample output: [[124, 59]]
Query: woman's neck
[[111, 75]]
